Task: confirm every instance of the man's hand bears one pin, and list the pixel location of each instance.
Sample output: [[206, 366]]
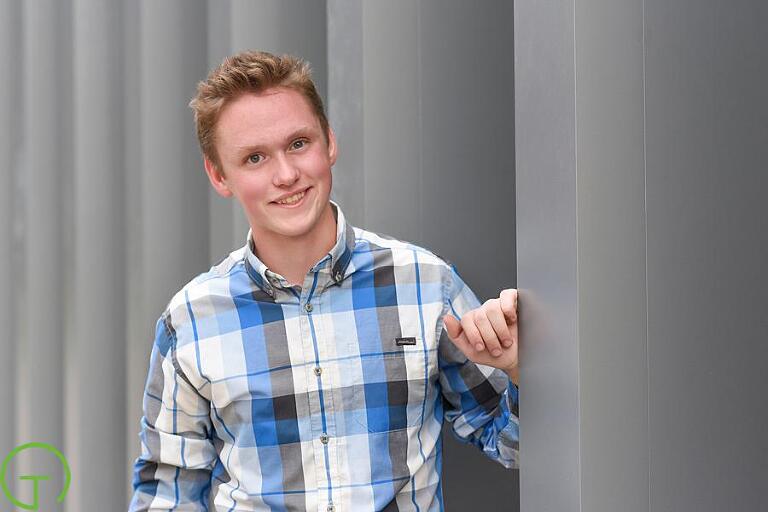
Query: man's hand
[[488, 335]]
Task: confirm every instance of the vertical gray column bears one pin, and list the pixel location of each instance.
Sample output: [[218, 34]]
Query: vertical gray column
[[374, 107], [581, 255], [175, 218], [97, 348], [226, 220], [172, 190], [345, 105], [137, 331], [545, 148], [467, 153], [283, 26], [643, 316], [39, 372], [612, 312], [392, 157], [10, 52], [707, 148]]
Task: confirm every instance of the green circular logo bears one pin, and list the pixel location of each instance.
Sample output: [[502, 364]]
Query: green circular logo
[[34, 478]]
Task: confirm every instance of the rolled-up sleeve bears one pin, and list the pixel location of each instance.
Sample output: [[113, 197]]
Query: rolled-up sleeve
[[481, 402], [173, 471]]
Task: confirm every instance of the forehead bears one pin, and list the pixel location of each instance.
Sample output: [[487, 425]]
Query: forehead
[[264, 118]]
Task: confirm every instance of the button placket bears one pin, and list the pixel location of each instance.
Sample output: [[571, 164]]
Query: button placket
[[326, 454]]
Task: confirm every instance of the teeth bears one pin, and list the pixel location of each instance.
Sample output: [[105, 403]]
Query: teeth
[[294, 198]]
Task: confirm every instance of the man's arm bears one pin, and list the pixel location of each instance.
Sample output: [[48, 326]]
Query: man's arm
[[173, 471], [481, 401]]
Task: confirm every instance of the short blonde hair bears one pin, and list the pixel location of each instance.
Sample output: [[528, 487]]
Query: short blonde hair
[[249, 71]]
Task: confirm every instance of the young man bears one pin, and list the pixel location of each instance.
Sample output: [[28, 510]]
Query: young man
[[312, 368]]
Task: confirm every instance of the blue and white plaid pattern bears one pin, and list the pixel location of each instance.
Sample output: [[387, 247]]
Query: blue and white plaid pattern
[[273, 397]]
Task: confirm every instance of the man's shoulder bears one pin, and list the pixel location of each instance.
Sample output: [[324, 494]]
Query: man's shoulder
[[207, 288], [400, 250]]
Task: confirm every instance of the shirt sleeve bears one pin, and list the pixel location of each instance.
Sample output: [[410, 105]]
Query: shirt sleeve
[[480, 402], [173, 471]]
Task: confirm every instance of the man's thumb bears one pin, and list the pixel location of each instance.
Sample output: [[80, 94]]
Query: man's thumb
[[452, 326]]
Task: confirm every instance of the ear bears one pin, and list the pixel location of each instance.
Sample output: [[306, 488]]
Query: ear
[[217, 178], [332, 147]]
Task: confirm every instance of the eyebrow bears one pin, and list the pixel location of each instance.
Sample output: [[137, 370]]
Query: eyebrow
[[304, 130]]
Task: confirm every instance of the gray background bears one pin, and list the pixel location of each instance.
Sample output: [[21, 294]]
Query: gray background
[[642, 137], [106, 211]]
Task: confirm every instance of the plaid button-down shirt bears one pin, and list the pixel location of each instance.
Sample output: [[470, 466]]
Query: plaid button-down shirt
[[324, 397]]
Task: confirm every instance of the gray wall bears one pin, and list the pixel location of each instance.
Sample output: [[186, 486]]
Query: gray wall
[[707, 148], [642, 132]]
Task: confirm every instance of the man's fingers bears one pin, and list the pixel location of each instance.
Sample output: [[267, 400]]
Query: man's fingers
[[508, 299], [499, 324], [452, 326], [456, 334], [471, 331], [487, 331]]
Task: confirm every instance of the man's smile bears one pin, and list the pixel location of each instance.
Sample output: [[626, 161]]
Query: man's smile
[[293, 200]]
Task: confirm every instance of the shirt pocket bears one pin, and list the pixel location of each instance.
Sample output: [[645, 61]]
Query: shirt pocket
[[387, 385]]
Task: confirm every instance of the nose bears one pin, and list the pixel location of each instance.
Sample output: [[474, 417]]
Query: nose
[[285, 172]]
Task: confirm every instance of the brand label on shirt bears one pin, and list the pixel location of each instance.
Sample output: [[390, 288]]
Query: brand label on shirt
[[405, 341]]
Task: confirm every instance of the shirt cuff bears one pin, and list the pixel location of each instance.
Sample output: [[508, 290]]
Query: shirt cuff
[[506, 448]]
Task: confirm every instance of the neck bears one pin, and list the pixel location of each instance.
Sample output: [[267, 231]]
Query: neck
[[292, 257]]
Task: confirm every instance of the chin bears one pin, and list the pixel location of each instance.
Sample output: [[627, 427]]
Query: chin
[[293, 231]]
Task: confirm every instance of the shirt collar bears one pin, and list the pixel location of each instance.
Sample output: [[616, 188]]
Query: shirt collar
[[340, 256]]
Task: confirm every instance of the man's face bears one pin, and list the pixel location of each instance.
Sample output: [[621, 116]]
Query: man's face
[[275, 160]]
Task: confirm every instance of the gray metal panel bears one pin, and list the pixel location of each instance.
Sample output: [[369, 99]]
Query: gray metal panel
[[174, 188], [97, 361], [467, 139], [283, 26], [613, 375], [391, 121], [10, 59], [545, 122], [226, 221], [45, 168], [346, 105], [137, 330], [707, 144]]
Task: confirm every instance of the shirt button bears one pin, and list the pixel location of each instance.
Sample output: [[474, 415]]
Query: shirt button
[[308, 307], [330, 508], [318, 371], [324, 438]]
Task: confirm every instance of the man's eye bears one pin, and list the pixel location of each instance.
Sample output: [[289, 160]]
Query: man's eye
[[298, 144], [254, 159]]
